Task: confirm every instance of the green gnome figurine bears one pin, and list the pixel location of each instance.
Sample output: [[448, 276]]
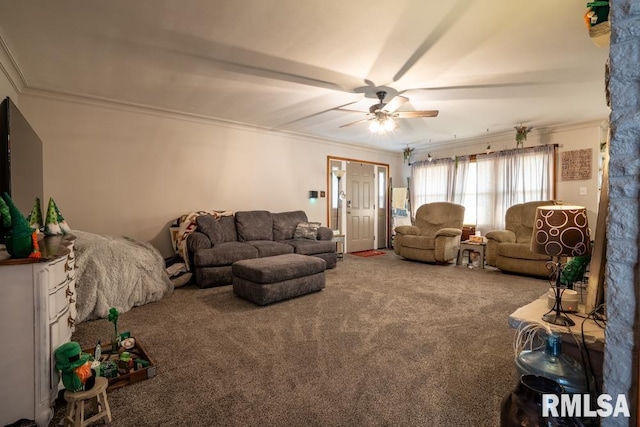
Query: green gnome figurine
[[75, 367], [19, 240]]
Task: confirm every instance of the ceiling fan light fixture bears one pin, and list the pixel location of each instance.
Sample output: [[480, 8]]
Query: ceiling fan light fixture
[[389, 124], [382, 125]]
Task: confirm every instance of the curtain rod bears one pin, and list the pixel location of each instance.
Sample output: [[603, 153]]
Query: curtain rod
[[473, 156]]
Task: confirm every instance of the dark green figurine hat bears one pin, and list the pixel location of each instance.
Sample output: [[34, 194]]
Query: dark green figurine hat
[[69, 356], [4, 214], [19, 223], [18, 239]]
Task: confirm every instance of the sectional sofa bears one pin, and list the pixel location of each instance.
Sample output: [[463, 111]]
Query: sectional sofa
[[217, 243]]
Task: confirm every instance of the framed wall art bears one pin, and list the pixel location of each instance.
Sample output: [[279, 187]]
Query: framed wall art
[[576, 165]]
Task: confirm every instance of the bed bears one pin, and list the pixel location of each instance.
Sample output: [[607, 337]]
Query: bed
[[116, 272]]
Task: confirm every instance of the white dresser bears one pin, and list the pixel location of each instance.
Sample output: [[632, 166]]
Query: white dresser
[[37, 312]]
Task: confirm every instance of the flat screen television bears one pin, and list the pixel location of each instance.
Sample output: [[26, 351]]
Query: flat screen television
[[21, 160]]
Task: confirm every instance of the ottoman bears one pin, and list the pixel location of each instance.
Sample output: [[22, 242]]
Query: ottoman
[[275, 278]]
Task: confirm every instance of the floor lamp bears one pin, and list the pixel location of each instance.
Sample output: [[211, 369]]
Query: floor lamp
[[339, 173], [560, 231]]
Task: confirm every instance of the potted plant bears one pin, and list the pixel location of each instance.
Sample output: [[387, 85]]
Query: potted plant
[[521, 135], [407, 154]]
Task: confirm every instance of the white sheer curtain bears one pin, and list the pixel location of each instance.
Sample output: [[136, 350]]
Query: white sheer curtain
[[457, 194], [509, 177], [441, 180]]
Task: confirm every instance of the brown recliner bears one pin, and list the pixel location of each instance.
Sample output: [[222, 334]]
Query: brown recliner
[[509, 250], [435, 237]]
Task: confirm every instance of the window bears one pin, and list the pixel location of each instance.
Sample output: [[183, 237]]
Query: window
[[488, 186]]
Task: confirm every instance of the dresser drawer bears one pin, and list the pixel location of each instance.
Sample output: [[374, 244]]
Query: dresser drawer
[[59, 299], [56, 272], [60, 333]]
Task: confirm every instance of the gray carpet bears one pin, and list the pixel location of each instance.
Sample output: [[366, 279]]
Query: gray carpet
[[387, 342]]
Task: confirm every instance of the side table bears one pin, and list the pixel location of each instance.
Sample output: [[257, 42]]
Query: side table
[[471, 247], [339, 239]]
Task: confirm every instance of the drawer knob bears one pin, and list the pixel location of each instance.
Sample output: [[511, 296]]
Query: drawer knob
[[69, 292], [71, 321], [66, 266]]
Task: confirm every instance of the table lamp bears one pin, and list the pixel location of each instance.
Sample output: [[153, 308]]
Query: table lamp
[[560, 231]]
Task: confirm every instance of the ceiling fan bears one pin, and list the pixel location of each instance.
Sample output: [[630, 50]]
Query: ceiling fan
[[382, 115]]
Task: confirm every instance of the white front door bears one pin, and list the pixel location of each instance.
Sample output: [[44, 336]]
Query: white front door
[[360, 206]]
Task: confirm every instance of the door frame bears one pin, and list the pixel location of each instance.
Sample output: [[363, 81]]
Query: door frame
[[330, 195]]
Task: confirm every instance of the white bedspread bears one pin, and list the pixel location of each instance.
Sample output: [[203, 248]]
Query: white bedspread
[[116, 272]]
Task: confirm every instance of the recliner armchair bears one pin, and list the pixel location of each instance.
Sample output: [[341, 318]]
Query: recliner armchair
[[509, 250], [435, 237]]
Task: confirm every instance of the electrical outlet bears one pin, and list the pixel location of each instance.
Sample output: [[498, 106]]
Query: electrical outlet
[[583, 191]]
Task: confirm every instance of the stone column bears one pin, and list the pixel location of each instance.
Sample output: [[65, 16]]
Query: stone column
[[620, 359]]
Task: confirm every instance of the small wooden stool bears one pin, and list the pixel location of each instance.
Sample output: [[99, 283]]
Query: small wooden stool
[[97, 396]]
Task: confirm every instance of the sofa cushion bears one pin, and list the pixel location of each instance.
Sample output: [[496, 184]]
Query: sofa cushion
[[268, 248], [325, 233], [208, 225], [431, 217], [418, 242], [519, 251], [197, 241], [307, 230], [225, 253], [228, 229], [311, 247], [284, 224], [254, 225]]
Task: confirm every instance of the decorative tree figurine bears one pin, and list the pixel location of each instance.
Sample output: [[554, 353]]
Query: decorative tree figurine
[[521, 135], [113, 317], [35, 217], [51, 227]]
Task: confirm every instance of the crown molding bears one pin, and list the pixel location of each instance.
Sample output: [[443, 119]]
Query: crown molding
[[135, 108], [508, 137], [10, 68]]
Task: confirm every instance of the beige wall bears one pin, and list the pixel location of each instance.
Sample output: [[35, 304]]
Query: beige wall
[[575, 137], [125, 171]]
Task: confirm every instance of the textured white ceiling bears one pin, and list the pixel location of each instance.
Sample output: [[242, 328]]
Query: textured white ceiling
[[289, 64]]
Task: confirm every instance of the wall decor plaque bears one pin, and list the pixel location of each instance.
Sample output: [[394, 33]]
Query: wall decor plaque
[[576, 164]]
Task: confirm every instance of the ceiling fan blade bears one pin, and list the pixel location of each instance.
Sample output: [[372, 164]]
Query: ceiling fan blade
[[353, 123], [351, 111], [395, 103], [411, 114]]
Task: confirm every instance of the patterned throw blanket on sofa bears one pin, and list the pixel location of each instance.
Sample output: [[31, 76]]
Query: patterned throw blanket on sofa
[[187, 225]]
